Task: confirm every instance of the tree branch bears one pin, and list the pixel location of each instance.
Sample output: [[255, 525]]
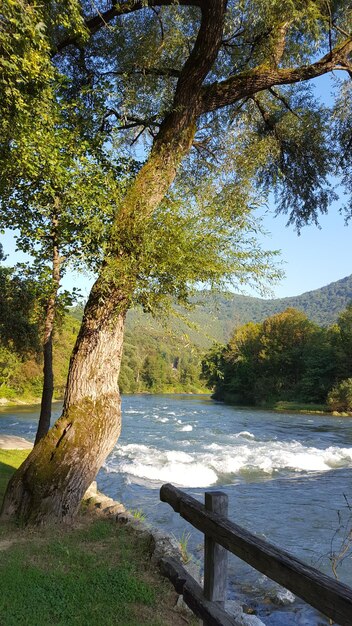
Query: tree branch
[[147, 71], [185, 105], [283, 100], [269, 125], [157, 14], [279, 43], [131, 121], [201, 147], [204, 52], [248, 83], [117, 9], [339, 29]]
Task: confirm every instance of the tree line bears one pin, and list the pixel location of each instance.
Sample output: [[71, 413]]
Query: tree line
[[23, 304], [286, 357], [153, 362]]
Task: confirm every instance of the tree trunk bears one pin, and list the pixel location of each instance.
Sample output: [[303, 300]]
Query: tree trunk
[[48, 390], [48, 382], [51, 482]]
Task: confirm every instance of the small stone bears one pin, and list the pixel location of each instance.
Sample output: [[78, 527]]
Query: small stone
[[91, 491], [181, 606], [114, 509], [163, 545], [123, 518], [242, 619], [249, 610], [106, 502], [282, 597], [193, 568]]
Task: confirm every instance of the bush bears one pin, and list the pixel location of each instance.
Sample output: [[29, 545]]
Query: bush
[[9, 364], [340, 397]]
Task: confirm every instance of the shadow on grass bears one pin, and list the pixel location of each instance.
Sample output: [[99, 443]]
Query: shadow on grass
[[10, 460]]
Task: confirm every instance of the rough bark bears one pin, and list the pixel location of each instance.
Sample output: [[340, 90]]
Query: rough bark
[[250, 82], [48, 374]]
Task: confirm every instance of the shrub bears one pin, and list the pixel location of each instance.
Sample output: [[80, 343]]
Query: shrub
[[340, 397]]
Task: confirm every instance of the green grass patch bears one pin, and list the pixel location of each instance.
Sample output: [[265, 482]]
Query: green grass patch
[[302, 407], [87, 576], [9, 461], [96, 573]]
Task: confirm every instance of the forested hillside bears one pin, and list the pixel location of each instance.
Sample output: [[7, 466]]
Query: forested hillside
[[215, 315], [166, 357], [21, 376], [321, 305], [154, 361]]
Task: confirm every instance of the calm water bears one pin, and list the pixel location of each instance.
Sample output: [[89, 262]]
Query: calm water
[[286, 476]]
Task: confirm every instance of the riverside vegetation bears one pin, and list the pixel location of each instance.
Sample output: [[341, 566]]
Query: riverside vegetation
[[285, 358], [285, 361], [153, 362]]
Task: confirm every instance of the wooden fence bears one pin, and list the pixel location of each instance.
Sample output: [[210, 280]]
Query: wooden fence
[[332, 598]]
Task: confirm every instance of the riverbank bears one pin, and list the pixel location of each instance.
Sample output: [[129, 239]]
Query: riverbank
[[273, 466], [284, 406], [33, 401], [11, 442], [309, 409], [95, 571], [26, 401], [280, 407], [99, 520]]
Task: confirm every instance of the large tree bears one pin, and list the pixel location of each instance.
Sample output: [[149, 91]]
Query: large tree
[[217, 87]]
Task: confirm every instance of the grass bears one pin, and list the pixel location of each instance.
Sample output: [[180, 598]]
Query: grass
[[138, 514], [183, 543], [83, 576], [96, 572], [9, 460], [300, 407]]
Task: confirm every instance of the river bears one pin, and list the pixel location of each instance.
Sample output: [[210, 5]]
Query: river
[[288, 478]]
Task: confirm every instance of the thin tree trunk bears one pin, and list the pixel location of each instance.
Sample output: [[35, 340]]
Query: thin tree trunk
[[48, 390], [48, 381], [51, 482]]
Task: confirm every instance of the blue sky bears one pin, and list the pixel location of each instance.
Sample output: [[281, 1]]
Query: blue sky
[[315, 258]]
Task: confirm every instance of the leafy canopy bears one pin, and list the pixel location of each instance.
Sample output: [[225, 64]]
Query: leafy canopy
[[107, 80], [133, 66], [28, 32]]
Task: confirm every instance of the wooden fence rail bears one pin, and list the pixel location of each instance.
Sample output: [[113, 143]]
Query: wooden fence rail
[[332, 598]]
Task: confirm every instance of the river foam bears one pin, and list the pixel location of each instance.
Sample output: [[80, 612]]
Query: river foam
[[213, 462], [160, 466]]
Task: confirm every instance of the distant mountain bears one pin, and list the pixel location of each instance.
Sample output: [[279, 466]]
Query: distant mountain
[[215, 315]]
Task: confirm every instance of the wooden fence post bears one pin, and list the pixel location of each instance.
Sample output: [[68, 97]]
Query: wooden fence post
[[215, 556], [327, 595]]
